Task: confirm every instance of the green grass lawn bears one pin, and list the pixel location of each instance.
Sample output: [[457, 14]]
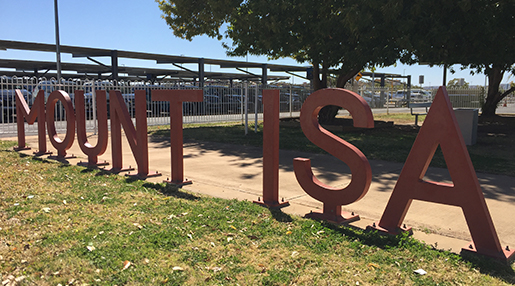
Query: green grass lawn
[[68, 225], [62, 224], [493, 152]]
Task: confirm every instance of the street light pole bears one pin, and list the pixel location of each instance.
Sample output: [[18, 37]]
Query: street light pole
[[57, 45]]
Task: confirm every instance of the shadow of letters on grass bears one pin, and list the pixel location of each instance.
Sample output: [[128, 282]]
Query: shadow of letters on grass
[[440, 128]]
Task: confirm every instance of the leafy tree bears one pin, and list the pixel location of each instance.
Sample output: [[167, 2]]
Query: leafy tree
[[335, 36], [345, 36], [456, 83], [478, 34]]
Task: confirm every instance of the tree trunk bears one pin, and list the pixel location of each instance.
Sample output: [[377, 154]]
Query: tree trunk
[[344, 78], [317, 82], [329, 112], [493, 97]]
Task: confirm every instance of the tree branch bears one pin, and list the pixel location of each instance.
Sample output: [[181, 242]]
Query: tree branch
[[506, 93], [344, 77]]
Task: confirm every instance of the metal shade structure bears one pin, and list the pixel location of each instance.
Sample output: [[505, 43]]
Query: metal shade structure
[[114, 71]]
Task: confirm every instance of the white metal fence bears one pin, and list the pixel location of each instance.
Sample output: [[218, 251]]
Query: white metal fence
[[466, 98], [392, 98], [223, 102], [236, 102]]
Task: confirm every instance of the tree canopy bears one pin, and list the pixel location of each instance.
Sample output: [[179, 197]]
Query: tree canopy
[[331, 34], [350, 35], [478, 34], [457, 83], [341, 37]]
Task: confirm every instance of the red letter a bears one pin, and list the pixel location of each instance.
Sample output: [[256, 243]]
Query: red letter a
[[441, 128]]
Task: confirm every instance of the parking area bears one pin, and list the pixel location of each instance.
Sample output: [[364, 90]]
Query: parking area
[[223, 101]]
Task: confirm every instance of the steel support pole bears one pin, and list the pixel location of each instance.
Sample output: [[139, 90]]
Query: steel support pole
[[57, 44], [114, 64], [201, 72]]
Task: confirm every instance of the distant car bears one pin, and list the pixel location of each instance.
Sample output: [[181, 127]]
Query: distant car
[[51, 85], [371, 98], [399, 98], [211, 104], [399, 95], [154, 108], [231, 103], [8, 103], [285, 101], [99, 85], [420, 95]]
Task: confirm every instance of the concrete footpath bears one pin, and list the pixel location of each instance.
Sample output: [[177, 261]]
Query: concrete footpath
[[235, 172]]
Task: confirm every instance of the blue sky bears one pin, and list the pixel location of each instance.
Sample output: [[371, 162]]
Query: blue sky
[[136, 25]]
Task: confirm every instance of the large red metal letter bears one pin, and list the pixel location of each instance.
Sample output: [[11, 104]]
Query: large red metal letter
[[175, 99], [441, 128], [137, 137], [271, 150], [334, 198], [101, 109], [67, 142], [37, 111]]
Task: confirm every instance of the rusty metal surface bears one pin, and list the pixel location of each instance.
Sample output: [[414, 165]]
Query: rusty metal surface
[[175, 98], [137, 137], [92, 151], [334, 198], [440, 128], [62, 145], [37, 111], [271, 151]]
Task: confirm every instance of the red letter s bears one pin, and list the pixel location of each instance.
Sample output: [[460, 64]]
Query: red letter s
[[334, 198]]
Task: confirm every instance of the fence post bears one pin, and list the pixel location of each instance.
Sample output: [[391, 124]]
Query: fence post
[[94, 109], [291, 101], [241, 103], [246, 85], [256, 108]]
